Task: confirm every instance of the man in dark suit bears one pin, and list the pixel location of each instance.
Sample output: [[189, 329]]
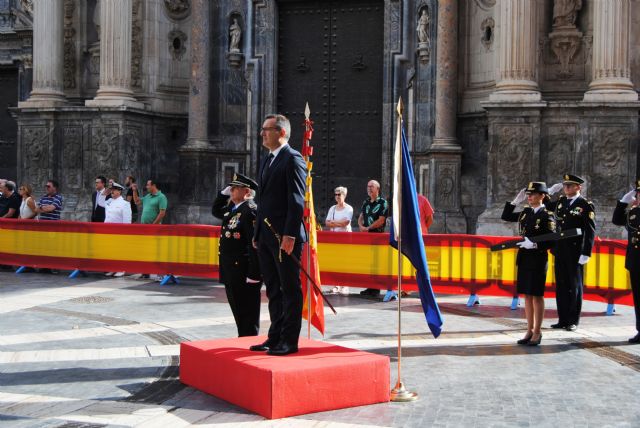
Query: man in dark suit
[[572, 211], [627, 214], [239, 270], [281, 201], [98, 200]]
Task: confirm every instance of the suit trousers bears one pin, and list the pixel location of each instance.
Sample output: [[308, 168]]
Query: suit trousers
[[634, 274], [282, 280], [569, 282]]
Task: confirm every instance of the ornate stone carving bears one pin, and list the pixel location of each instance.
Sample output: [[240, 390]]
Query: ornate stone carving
[[177, 9], [559, 152], [565, 13], [27, 6], [23, 16], [424, 37], [565, 44], [72, 159], [177, 44], [136, 45], [35, 149], [69, 45], [513, 151], [485, 4], [446, 186], [104, 148], [487, 26], [132, 143], [609, 160]]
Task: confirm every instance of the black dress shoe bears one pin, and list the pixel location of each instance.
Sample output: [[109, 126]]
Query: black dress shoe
[[524, 340], [535, 342], [264, 346], [571, 327], [283, 349], [635, 339], [558, 325]]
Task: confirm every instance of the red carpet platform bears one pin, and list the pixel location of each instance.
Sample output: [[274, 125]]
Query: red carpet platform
[[319, 377]]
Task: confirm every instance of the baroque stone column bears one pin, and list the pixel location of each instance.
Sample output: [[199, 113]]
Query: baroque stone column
[[115, 56], [445, 154], [48, 55], [611, 71], [517, 53], [197, 155], [200, 75]]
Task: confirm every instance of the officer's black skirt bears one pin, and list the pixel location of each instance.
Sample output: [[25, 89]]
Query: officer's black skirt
[[531, 281]]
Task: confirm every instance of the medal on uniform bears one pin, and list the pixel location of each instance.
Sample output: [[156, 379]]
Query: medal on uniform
[[236, 235], [537, 226], [227, 234], [233, 223]]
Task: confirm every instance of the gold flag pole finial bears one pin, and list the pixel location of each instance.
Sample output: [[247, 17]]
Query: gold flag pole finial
[[400, 107]]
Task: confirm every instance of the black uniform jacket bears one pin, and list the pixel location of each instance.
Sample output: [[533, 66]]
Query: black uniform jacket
[[580, 215], [98, 213], [530, 224], [630, 219], [238, 258]]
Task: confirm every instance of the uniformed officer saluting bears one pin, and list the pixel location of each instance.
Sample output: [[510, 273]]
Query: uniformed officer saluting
[[630, 219], [532, 258], [572, 211], [239, 269]]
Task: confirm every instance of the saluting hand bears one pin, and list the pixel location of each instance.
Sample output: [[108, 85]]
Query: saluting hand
[[520, 197], [555, 189], [629, 197]]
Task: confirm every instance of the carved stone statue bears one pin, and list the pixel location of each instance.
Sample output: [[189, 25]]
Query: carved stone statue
[[235, 32], [177, 9], [423, 27], [27, 6], [565, 12]]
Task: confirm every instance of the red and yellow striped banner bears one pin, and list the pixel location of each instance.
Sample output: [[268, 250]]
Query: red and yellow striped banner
[[457, 263]]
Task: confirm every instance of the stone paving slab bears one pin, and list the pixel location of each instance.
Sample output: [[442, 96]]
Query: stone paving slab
[[97, 351]]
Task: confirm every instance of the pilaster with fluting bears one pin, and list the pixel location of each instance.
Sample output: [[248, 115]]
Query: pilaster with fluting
[[200, 75], [611, 73], [48, 54], [115, 55], [517, 52]]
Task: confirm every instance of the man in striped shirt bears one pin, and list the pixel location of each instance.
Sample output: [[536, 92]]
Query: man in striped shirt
[[50, 205]]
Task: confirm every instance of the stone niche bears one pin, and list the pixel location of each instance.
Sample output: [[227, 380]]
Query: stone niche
[[598, 143], [73, 146]]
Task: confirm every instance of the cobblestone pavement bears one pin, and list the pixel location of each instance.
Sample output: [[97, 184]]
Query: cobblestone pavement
[[97, 351]]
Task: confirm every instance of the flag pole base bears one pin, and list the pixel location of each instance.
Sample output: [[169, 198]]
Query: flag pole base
[[399, 394]]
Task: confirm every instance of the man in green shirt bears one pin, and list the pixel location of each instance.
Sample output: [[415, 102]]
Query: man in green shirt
[[154, 203]]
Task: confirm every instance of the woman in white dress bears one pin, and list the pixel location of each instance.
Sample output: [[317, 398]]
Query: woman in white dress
[[28, 205], [339, 220]]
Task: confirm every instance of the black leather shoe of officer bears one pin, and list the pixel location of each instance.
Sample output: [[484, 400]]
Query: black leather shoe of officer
[[635, 339], [571, 327], [558, 325], [282, 349], [264, 346]]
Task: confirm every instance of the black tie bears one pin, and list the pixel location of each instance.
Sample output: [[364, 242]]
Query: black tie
[[268, 164]]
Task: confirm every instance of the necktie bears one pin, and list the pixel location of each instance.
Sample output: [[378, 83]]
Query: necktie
[[268, 164]]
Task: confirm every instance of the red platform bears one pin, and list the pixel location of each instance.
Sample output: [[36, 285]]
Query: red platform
[[319, 377]]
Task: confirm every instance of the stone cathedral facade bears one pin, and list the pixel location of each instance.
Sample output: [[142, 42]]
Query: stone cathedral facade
[[497, 93]]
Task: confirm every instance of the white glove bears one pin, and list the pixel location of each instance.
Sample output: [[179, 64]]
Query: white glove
[[583, 259], [226, 191], [527, 244], [629, 197], [555, 189], [520, 198], [252, 281]]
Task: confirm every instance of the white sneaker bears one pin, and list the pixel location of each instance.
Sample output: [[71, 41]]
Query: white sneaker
[[158, 278], [344, 291], [118, 274], [108, 274]]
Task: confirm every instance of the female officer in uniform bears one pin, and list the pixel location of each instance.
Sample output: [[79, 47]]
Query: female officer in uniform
[[532, 258], [239, 270], [630, 219]]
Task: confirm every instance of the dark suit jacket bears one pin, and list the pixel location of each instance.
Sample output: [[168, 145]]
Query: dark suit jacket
[[97, 212], [281, 196], [630, 219]]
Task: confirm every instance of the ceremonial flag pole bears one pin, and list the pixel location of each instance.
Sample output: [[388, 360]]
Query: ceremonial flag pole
[[406, 237], [313, 298]]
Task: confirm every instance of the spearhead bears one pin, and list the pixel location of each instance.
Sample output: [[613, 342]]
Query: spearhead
[[307, 111]]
